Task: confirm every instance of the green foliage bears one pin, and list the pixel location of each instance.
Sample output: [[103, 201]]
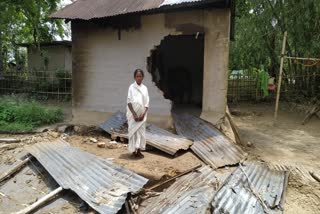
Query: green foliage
[[23, 115], [259, 29], [26, 21]]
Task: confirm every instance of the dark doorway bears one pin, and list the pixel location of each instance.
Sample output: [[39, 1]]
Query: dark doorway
[[176, 66]]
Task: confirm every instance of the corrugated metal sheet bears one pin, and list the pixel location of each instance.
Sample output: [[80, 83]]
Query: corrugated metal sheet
[[173, 2], [192, 193], [156, 137], [90, 9], [209, 143], [101, 183], [304, 172], [115, 124], [236, 197], [166, 141]]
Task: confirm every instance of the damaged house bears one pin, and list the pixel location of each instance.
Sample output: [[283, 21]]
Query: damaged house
[[182, 45]]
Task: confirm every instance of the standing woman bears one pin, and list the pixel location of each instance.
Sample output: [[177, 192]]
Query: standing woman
[[138, 104]]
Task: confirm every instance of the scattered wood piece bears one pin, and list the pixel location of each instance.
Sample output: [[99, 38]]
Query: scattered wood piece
[[101, 145], [54, 134], [126, 204], [114, 137], [315, 176], [173, 178], [10, 146], [14, 169], [9, 140], [314, 111], [253, 190], [93, 140], [62, 129], [284, 192], [131, 204], [234, 127], [40, 201]]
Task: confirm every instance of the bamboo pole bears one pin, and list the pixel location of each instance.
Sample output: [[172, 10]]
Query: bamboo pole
[[280, 76], [301, 58], [40, 201], [14, 169], [9, 140]]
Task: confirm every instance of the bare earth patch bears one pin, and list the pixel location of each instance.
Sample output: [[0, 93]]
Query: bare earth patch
[[286, 143]]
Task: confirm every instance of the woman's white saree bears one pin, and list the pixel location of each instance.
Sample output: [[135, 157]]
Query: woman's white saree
[[139, 98]]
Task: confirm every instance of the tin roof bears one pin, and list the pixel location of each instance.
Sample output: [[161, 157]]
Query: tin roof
[[192, 193], [52, 43], [101, 183], [236, 195], [210, 144], [90, 9], [156, 137]]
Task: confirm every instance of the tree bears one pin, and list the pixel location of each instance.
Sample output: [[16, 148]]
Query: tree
[[260, 25], [26, 21]]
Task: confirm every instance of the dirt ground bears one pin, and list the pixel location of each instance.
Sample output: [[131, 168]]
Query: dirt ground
[[286, 143]]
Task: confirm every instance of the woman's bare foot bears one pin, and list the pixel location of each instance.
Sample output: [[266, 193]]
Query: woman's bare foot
[[139, 154], [134, 154]]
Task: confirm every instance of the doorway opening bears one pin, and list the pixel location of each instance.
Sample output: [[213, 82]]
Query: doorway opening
[[176, 66]]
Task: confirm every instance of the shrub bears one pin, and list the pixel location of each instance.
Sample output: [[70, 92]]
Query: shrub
[[24, 115]]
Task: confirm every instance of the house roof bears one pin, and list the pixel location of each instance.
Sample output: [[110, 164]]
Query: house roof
[[90, 9], [52, 43]]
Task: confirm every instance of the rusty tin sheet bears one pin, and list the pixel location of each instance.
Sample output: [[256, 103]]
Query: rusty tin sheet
[[192, 193], [156, 137], [101, 183], [236, 196], [210, 144]]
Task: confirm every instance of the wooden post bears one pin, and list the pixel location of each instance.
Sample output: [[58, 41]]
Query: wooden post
[[280, 75], [14, 169], [40, 201], [9, 140]]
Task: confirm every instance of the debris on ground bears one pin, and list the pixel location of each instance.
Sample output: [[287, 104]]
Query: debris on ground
[[10, 146], [101, 145], [314, 112], [192, 193], [252, 188], [307, 174], [155, 136], [83, 172], [260, 187], [93, 140], [62, 129], [209, 144], [9, 140]]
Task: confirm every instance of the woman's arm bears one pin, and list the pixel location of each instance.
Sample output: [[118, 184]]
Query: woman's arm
[[146, 105], [144, 114], [135, 116]]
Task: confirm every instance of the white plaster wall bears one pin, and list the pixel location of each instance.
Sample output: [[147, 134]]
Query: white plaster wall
[[56, 55], [103, 65], [216, 60], [68, 59]]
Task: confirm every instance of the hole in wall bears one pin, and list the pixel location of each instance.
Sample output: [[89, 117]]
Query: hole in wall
[[176, 66]]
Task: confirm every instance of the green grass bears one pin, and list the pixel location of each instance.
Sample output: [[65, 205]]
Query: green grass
[[21, 115]]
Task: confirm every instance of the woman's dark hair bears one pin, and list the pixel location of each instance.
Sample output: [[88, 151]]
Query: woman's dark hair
[[138, 71]]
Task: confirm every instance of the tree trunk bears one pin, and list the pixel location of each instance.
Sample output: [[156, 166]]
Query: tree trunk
[[1, 56]]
